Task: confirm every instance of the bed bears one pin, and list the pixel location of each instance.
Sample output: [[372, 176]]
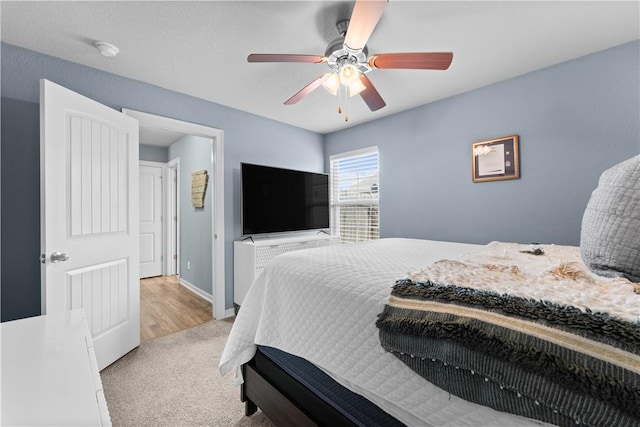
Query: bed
[[321, 305], [426, 333]]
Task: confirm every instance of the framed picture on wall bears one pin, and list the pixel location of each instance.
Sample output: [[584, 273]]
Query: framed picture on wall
[[495, 159]]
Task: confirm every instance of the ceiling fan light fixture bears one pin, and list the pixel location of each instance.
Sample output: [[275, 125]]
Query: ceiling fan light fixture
[[332, 83], [356, 87], [349, 74]]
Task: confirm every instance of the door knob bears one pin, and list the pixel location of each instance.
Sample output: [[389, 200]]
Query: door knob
[[59, 257]]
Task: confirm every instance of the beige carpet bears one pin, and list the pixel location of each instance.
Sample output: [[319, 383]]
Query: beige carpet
[[174, 381]]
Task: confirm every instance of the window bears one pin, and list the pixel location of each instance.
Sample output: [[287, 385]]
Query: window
[[355, 187]]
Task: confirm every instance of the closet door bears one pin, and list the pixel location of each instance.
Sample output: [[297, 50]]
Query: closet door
[[150, 219]]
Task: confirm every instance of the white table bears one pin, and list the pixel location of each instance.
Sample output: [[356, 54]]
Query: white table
[[49, 373]]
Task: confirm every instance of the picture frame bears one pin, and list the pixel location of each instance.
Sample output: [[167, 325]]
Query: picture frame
[[495, 159]]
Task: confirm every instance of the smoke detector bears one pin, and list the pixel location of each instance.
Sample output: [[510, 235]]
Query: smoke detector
[[106, 49]]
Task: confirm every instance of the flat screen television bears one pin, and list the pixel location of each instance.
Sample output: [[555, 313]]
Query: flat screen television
[[276, 200]]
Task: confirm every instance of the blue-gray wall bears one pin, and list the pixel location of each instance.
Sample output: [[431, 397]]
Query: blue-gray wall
[[247, 138], [152, 153], [195, 223], [574, 120], [20, 216]]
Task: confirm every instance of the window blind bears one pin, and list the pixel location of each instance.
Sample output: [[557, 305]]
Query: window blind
[[355, 189]]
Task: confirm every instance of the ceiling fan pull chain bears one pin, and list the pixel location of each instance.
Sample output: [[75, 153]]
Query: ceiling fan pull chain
[[345, 101], [342, 101]]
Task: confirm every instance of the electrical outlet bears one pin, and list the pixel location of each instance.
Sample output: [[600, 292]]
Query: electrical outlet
[[188, 265]]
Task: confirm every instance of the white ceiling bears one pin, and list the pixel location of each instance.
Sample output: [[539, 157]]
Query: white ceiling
[[160, 137], [200, 47]]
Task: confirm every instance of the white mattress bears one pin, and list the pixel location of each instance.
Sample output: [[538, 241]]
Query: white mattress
[[322, 304]]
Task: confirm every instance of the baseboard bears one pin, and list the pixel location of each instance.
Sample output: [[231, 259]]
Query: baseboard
[[229, 312], [196, 290]]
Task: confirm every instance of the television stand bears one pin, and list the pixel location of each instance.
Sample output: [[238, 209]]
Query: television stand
[[251, 256]]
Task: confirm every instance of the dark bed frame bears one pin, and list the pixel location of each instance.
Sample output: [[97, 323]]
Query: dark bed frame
[[283, 399]]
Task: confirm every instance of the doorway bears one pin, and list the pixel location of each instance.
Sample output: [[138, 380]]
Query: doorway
[[216, 188], [159, 207], [169, 303]]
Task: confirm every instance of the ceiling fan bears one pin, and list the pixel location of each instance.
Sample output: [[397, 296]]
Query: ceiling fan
[[348, 58]]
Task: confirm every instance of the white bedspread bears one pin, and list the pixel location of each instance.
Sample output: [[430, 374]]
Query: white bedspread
[[322, 304]]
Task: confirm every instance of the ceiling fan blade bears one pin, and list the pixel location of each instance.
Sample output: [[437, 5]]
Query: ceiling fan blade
[[306, 90], [415, 60], [370, 95], [364, 18], [283, 57]]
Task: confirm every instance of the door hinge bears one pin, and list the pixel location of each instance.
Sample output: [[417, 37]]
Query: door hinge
[[175, 217], [175, 257]]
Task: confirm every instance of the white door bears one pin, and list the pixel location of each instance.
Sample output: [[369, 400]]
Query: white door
[[89, 214], [150, 220]]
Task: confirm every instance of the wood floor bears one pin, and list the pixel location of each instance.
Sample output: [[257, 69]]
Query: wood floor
[[167, 307]]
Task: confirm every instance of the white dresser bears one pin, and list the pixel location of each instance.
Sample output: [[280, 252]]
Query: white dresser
[[250, 257], [49, 373]]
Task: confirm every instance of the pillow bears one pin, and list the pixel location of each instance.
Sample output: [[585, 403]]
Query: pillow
[[610, 235]]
